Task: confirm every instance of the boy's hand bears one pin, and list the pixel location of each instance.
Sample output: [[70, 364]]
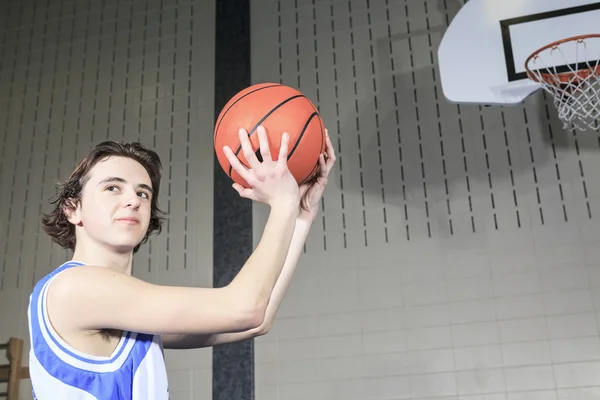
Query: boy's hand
[[312, 191], [271, 182]]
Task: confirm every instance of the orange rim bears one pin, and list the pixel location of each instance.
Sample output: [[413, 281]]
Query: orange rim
[[561, 77]]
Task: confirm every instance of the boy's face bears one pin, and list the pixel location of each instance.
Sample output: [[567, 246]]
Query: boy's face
[[115, 204]]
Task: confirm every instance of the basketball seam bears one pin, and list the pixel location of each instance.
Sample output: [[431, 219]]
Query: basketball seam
[[310, 174], [260, 122], [302, 134], [235, 102], [322, 133], [322, 137]]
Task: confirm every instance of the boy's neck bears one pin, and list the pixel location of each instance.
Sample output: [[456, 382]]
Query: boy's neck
[[102, 257]]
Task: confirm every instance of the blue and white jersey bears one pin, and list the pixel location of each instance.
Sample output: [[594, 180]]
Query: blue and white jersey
[[134, 371]]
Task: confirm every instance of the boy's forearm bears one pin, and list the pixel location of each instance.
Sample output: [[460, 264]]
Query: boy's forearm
[[256, 280], [301, 230]]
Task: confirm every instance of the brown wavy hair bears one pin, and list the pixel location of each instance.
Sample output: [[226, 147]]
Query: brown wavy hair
[[69, 192]]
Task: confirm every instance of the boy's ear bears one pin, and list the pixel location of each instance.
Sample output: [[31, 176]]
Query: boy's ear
[[72, 210]]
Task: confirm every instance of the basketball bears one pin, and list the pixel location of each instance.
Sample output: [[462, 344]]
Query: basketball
[[278, 108]]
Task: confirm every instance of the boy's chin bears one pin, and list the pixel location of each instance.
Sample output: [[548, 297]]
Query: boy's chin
[[125, 247]]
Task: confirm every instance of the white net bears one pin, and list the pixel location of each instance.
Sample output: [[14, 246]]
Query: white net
[[570, 71]]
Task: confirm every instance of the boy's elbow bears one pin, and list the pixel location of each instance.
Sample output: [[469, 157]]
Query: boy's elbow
[[256, 318], [250, 317], [263, 329], [249, 310]]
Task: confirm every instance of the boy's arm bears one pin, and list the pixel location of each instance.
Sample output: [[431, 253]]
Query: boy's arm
[[91, 298], [311, 196], [192, 341]]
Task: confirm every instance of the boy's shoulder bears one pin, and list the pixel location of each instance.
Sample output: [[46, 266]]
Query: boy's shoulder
[[54, 273]]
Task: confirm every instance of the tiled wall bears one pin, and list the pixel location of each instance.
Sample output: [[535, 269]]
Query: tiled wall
[[75, 72], [456, 256]]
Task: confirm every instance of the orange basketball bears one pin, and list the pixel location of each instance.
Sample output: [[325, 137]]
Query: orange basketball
[[278, 108]]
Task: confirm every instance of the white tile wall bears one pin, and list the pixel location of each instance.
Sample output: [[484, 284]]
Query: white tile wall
[[61, 93], [503, 306]]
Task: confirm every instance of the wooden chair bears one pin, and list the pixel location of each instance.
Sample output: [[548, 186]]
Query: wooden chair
[[13, 372]]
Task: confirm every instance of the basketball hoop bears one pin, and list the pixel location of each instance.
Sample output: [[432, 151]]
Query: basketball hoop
[[572, 76]]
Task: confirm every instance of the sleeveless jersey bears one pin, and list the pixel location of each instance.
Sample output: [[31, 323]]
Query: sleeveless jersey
[[134, 371]]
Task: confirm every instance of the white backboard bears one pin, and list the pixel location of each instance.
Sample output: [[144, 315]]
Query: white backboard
[[483, 52]]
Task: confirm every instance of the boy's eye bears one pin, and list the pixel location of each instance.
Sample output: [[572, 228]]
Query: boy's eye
[[113, 188]]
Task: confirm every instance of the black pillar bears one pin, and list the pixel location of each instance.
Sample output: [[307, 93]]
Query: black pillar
[[233, 364]]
